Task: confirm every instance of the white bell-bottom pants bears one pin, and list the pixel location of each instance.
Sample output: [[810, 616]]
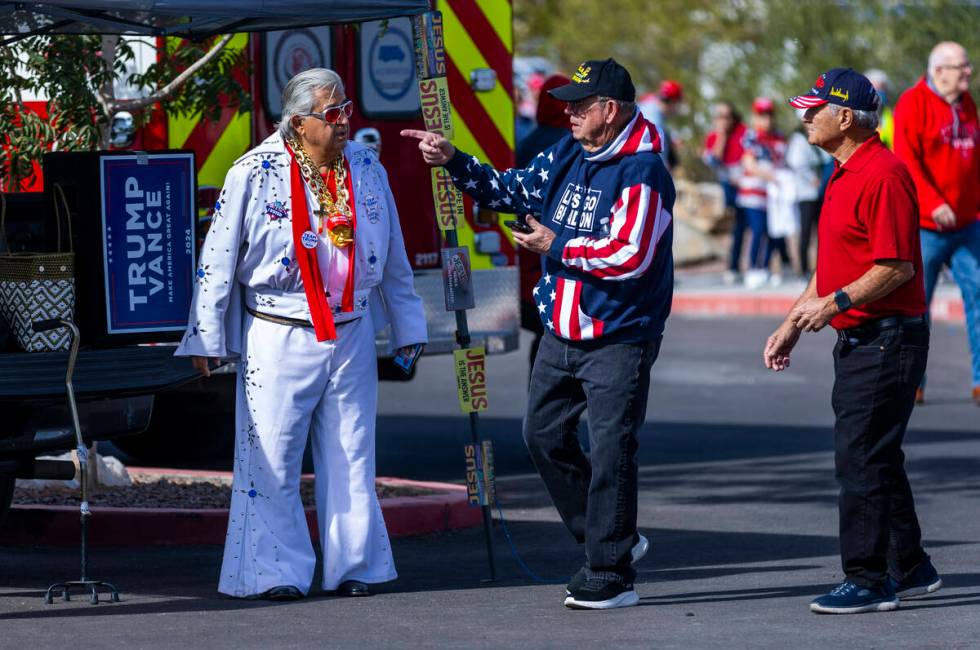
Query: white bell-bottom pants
[[291, 386]]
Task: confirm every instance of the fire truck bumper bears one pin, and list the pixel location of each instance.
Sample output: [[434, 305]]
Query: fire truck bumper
[[493, 323]]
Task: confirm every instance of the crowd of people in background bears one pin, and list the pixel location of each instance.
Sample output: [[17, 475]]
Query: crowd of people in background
[[774, 185]]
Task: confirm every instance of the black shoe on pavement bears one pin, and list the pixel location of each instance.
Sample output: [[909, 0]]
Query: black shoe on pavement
[[602, 594], [636, 554], [922, 581], [282, 593], [353, 588]]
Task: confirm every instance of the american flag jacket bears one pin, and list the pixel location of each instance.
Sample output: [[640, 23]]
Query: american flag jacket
[[610, 272]]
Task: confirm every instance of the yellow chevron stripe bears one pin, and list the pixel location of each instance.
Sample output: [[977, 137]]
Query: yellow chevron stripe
[[180, 127], [234, 141], [465, 138], [469, 143], [499, 14], [498, 105]]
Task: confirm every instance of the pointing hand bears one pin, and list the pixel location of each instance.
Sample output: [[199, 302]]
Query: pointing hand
[[436, 150]]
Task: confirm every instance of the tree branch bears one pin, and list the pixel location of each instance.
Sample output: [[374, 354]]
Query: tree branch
[[170, 88]]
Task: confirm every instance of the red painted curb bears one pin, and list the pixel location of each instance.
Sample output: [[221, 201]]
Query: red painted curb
[[58, 525], [948, 309]]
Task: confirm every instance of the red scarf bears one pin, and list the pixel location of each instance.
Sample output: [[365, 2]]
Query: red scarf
[[309, 266]]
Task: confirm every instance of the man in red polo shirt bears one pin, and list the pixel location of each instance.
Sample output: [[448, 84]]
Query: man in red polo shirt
[[868, 286]]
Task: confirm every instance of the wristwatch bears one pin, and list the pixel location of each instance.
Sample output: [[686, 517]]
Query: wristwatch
[[843, 300]]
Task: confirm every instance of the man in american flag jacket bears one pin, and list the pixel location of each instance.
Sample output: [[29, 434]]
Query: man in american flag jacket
[[603, 201]]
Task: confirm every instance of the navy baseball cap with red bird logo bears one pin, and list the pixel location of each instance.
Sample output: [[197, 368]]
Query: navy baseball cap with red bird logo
[[841, 86]]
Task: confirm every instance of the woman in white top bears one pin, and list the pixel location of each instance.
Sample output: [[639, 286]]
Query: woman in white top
[[806, 163]]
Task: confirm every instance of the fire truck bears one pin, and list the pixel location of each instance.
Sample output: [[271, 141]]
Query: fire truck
[[376, 62]]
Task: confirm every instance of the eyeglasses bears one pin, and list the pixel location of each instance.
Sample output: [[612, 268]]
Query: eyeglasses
[[580, 108], [966, 65], [331, 114]]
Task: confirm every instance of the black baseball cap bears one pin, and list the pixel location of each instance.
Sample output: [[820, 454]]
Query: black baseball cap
[[841, 86], [606, 78]]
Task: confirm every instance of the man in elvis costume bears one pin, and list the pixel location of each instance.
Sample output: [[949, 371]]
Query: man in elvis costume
[[296, 276]]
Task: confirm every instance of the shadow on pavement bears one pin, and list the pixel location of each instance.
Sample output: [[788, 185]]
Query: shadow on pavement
[[431, 448], [729, 464], [183, 580], [739, 594]]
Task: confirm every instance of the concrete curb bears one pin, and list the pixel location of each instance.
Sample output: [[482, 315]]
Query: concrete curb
[[58, 525], [733, 303]]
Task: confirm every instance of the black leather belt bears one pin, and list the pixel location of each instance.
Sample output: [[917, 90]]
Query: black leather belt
[[881, 325], [282, 320]]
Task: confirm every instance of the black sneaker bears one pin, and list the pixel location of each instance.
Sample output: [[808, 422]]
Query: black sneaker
[[922, 581], [636, 554], [602, 594], [851, 598]]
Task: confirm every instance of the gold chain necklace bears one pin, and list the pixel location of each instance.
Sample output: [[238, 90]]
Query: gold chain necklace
[[337, 214]]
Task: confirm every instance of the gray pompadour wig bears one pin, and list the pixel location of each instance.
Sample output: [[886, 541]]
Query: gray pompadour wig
[[299, 95]]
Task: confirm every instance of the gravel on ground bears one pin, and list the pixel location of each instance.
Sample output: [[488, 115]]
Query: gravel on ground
[[168, 493]]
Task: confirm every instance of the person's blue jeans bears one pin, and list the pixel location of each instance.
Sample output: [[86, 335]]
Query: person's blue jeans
[[595, 494], [738, 235], [777, 245], [960, 251], [730, 190], [757, 222], [738, 230]]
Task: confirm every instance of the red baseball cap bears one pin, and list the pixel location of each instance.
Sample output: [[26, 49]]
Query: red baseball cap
[[763, 105], [670, 91], [535, 81]]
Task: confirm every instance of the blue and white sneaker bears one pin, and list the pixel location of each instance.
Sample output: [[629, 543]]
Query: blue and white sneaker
[[851, 598], [922, 581]]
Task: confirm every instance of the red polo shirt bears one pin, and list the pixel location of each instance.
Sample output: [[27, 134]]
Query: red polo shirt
[[870, 213]]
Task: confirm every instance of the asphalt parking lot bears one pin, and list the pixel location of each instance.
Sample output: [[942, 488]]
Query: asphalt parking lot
[[737, 496]]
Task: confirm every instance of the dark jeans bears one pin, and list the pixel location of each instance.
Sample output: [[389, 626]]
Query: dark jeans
[[778, 245], [874, 391], [595, 495], [809, 216], [738, 237], [756, 220]]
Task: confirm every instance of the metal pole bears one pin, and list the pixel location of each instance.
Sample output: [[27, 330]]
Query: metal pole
[[84, 549], [487, 513], [463, 338], [427, 31], [81, 450]]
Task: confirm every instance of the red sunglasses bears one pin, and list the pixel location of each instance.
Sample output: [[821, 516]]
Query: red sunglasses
[[331, 114]]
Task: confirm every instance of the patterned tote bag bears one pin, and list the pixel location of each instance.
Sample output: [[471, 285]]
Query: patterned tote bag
[[38, 286]]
